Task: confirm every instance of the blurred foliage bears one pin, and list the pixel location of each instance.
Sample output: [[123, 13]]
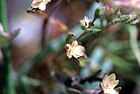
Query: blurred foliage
[[111, 41]]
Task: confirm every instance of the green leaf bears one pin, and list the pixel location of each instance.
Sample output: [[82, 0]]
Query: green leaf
[[70, 37], [124, 18], [88, 33], [116, 20], [6, 37], [118, 89], [117, 13]]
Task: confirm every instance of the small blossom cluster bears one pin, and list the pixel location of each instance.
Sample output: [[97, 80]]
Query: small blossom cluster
[[75, 50], [109, 82]]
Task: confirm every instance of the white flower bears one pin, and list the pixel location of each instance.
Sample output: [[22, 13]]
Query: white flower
[[41, 4], [75, 50], [85, 21], [109, 83]]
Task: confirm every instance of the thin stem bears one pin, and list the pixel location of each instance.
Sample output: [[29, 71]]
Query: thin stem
[[55, 6], [84, 33], [134, 43], [6, 74], [46, 18]]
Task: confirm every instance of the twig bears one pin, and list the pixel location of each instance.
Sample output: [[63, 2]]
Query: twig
[[46, 18]]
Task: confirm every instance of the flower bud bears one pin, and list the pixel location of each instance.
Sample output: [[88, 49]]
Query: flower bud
[[99, 12], [85, 23]]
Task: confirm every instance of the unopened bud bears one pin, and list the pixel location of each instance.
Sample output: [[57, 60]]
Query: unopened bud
[[99, 12], [85, 23]]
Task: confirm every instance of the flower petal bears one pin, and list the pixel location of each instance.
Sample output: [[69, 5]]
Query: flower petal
[[42, 6], [112, 77], [74, 44], [69, 55], [35, 3], [78, 51]]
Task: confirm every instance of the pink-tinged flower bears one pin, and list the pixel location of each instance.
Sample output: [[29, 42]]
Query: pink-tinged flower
[[75, 50], [109, 83], [6, 37], [41, 4]]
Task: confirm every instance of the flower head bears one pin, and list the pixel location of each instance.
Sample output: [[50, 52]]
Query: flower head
[[41, 4], [74, 50], [109, 83], [85, 22]]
